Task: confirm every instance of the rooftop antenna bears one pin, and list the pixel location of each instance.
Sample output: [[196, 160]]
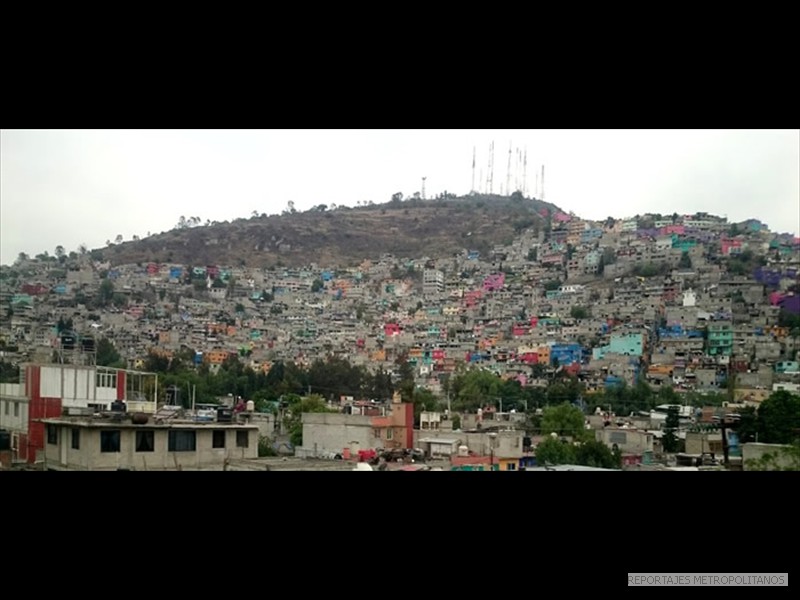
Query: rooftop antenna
[[423, 187], [472, 189]]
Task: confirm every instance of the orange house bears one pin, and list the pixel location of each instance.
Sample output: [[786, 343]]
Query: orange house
[[217, 357]]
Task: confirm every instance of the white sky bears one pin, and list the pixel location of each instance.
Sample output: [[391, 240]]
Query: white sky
[[70, 187]]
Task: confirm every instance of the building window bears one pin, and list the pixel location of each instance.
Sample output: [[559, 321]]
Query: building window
[[16, 409], [76, 438], [242, 439], [145, 441], [182, 440], [109, 440], [511, 467], [389, 433], [7, 406], [106, 380], [52, 434], [218, 438]]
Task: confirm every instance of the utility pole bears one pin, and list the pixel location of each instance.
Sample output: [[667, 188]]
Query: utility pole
[[423, 187]]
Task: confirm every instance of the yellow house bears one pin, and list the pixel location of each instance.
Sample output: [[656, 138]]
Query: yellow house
[[508, 464], [544, 354]]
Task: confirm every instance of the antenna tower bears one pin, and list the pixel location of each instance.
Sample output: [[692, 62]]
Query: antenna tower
[[491, 168], [525, 173], [542, 182], [423, 187], [472, 189], [508, 172]]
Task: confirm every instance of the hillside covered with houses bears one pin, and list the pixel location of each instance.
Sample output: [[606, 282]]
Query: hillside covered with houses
[[615, 317]]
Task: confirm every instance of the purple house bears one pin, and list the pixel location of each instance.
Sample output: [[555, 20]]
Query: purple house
[[790, 304]]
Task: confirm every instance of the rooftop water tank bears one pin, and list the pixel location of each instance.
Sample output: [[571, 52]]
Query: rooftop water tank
[[251, 406], [463, 450]]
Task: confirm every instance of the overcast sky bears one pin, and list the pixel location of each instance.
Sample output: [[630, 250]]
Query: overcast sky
[[68, 187]]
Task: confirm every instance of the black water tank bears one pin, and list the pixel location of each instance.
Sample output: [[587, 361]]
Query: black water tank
[[224, 415], [5, 440], [118, 406], [68, 341]]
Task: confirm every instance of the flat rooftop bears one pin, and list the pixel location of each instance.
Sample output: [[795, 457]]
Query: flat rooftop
[[125, 422]]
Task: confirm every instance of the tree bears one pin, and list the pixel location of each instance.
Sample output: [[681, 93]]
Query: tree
[[107, 354], [118, 239], [60, 252], [294, 415], [406, 383], [317, 285], [594, 453], [670, 440], [553, 451], [473, 389], [685, 261], [579, 312], [9, 373], [564, 419], [423, 400], [779, 418]]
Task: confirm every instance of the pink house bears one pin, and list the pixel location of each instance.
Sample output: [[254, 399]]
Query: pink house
[[438, 354], [494, 282], [471, 298], [390, 329], [518, 330], [729, 246], [676, 229]]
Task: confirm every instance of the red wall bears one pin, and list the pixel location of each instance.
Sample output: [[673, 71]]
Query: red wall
[[39, 408], [409, 425], [120, 385]]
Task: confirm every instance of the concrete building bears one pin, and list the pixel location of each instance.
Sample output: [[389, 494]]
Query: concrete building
[[46, 391], [327, 434], [628, 441], [432, 282], [121, 441]]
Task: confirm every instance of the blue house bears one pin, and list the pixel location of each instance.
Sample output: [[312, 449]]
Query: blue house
[[565, 354]]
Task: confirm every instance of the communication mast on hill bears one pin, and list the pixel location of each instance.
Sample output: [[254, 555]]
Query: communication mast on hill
[[423, 187], [508, 172], [542, 182], [525, 173], [472, 189], [491, 168]]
